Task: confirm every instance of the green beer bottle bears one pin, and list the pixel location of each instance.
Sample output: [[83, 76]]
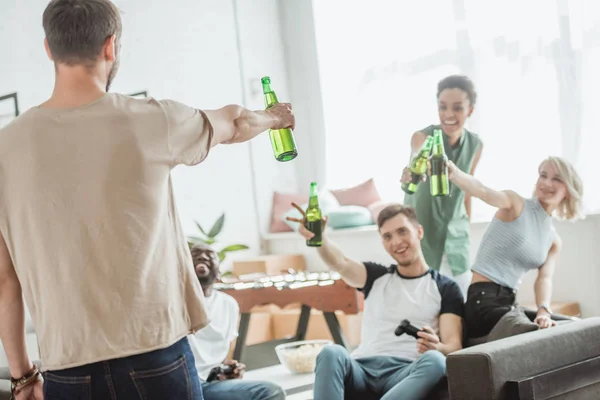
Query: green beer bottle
[[418, 167], [439, 170], [314, 218], [282, 140]]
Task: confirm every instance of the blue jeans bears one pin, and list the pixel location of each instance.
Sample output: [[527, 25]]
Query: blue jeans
[[157, 375], [339, 377], [237, 389]]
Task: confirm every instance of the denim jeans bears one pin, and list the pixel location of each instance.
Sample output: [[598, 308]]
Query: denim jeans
[[157, 375], [338, 376], [237, 389]]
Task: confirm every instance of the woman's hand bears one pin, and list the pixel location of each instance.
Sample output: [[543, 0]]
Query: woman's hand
[[453, 170], [544, 321], [407, 176]]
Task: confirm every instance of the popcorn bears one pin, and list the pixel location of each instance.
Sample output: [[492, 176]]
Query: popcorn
[[301, 359]]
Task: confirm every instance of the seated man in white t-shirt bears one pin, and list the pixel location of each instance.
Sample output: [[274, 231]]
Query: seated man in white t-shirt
[[385, 365], [211, 344]]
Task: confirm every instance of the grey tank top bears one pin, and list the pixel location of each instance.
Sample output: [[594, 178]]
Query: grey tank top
[[509, 249]]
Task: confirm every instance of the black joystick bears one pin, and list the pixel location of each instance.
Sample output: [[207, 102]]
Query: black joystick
[[406, 327], [220, 370]]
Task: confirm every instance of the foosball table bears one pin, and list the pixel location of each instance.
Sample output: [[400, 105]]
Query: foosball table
[[324, 291]]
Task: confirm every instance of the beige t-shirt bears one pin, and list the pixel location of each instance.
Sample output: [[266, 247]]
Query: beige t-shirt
[[88, 214]]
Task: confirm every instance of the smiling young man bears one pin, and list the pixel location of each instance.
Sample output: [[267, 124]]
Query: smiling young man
[[385, 364], [211, 344]]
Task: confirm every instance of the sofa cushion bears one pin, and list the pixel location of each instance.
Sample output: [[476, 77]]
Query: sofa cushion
[[512, 323], [362, 195], [349, 217], [281, 204]]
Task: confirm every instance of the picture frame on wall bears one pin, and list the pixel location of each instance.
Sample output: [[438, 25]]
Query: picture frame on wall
[[9, 108], [140, 95]]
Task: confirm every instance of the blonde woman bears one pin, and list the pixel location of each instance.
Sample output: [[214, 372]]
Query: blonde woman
[[520, 237]]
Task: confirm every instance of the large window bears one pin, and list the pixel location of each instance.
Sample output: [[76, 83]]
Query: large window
[[534, 64]]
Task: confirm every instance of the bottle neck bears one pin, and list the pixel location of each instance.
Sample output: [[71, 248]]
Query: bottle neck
[[267, 88], [438, 149], [314, 196]]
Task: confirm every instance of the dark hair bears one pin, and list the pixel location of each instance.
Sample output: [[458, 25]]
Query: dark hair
[[458, 82], [392, 210], [76, 30]]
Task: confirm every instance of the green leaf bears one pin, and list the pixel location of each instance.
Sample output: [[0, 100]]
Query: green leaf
[[234, 247], [216, 229], [209, 241], [195, 239], [230, 248], [199, 227]]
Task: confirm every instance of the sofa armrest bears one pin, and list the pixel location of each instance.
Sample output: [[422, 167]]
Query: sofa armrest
[[487, 370]]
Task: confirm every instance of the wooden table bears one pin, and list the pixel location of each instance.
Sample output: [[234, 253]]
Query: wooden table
[[328, 293]]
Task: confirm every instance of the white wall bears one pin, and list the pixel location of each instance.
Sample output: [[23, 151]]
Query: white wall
[[577, 276], [189, 51]]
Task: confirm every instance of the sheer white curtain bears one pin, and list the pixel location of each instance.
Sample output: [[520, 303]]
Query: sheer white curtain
[[533, 64]]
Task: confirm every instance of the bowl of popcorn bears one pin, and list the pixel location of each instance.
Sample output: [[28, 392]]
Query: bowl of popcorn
[[300, 357]]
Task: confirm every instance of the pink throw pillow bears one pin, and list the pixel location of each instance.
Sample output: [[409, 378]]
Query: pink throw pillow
[[281, 205], [362, 195], [376, 208]]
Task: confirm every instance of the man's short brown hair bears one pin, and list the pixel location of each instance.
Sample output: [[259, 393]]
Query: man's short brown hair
[[76, 30], [394, 209]]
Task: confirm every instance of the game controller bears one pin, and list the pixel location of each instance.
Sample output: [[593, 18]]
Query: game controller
[[220, 370], [406, 327]]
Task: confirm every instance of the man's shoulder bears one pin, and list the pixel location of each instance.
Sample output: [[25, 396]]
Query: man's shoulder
[[225, 299], [15, 131], [450, 293], [376, 270], [443, 282], [18, 122]]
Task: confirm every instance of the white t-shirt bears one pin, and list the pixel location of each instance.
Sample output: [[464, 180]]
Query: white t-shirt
[[391, 297], [210, 345]]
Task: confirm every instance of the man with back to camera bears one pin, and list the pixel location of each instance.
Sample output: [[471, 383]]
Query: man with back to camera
[[385, 364], [89, 232]]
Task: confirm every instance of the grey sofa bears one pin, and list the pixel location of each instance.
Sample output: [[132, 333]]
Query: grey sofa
[[561, 363]]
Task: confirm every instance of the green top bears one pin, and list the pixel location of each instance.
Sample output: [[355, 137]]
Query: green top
[[444, 219]]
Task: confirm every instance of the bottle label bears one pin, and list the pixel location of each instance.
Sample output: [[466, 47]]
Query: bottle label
[[315, 227]]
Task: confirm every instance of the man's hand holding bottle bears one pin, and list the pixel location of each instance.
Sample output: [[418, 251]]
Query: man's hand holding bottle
[[302, 230]]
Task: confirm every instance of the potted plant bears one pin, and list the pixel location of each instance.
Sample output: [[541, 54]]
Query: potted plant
[[210, 238]]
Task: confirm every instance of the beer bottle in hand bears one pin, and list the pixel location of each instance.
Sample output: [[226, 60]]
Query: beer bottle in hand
[[282, 140], [418, 167], [439, 170], [314, 218]]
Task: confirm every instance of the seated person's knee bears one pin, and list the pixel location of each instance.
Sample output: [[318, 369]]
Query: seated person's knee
[[332, 354], [435, 362], [272, 391]]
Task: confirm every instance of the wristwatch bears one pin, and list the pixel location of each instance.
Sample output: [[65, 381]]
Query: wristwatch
[[546, 307]]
